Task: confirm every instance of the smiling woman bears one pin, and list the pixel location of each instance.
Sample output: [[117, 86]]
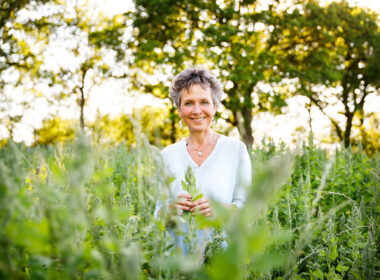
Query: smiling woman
[[221, 165], [197, 110]]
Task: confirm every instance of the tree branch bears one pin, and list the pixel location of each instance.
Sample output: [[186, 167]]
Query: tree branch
[[336, 125]]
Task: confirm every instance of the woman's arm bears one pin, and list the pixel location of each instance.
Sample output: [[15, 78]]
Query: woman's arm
[[243, 177]]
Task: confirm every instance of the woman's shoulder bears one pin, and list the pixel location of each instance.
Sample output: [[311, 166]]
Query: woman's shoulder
[[231, 142], [173, 148]]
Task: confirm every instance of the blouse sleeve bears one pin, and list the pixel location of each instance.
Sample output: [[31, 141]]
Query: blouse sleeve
[[243, 177], [159, 204]]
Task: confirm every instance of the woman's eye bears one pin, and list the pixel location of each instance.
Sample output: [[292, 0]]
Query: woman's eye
[[187, 103], [205, 102]]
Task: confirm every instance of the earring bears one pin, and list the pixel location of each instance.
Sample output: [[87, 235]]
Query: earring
[[180, 123]]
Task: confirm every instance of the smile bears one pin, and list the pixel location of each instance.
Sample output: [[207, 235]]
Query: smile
[[198, 119]]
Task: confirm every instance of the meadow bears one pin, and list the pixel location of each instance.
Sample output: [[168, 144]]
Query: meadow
[[82, 210]]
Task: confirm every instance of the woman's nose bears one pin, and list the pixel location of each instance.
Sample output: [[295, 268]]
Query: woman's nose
[[197, 108]]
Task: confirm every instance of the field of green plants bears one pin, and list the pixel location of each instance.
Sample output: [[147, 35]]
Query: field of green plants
[[85, 211]]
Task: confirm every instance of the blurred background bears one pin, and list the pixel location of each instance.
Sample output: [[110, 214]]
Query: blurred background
[[289, 69]]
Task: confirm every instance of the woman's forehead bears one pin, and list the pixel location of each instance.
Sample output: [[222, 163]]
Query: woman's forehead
[[196, 91]]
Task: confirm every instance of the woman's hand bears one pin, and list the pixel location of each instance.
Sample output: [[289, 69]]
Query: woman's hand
[[183, 202], [202, 205]]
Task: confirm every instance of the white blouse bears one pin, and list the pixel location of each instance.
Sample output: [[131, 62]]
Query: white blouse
[[223, 176]]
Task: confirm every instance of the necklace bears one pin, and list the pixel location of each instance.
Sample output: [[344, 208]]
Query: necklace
[[200, 151]]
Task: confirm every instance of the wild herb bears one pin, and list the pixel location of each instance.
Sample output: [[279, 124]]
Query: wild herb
[[189, 185], [85, 211]]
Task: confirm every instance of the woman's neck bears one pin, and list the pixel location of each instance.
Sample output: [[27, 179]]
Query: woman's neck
[[199, 139]]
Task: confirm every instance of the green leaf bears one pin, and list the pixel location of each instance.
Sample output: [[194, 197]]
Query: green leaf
[[198, 196], [318, 274], [160, 225], [33, 235], [333, 254], [342, 268], [184, 185]]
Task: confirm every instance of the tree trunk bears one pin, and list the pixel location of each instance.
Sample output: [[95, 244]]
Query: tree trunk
[[81, 104], [245, 128], [347, 132], [363, 134], [308, 107], [242, 114], [82, 100], [360, 110]]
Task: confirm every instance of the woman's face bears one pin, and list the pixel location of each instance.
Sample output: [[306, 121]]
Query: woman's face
[[197, 108]]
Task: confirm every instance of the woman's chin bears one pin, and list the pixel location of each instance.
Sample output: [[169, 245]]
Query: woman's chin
[[200, 128]]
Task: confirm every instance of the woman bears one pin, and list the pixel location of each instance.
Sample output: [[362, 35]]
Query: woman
[[221, 165]]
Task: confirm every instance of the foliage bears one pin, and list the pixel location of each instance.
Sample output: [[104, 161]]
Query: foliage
[[327, 54], [369, 135], [72, 222], [189, 186], [91, 42], [339, 248], [332, 53], [219, 35], [152, 121], [54, 130], [15, 51], [154, 24], [83, 210], [25, 27], [262, 55]]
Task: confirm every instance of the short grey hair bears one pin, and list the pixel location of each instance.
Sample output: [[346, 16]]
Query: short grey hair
[[196, 76]]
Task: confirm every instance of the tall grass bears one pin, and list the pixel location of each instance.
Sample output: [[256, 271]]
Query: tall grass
[[85, 211]]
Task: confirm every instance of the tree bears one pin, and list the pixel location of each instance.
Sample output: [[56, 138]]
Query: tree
[[15, 51], [331, 49], [223, 36], [24, 30], [162, 44], [234, 42], [54, 130], [93, 46], [150, 121]]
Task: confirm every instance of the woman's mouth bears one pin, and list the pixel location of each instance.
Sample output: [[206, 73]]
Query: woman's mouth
[[198, 119]]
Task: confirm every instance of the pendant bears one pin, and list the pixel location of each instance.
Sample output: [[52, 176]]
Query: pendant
[[200, 154]]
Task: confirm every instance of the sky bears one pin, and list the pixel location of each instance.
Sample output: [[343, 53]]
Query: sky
[[111, 98]]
